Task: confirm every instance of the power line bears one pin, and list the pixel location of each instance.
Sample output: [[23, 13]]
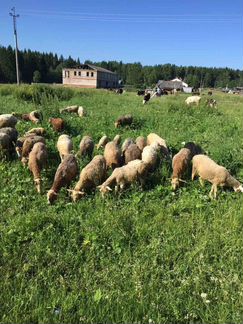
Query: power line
[[12, 14]]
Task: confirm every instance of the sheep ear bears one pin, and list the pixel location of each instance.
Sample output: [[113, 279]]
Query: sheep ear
[[181, 180], [98, 187], [107, 187]]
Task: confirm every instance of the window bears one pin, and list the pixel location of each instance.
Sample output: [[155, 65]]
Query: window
[[87, 73], [79, 73], [75, 73], [92, 74]]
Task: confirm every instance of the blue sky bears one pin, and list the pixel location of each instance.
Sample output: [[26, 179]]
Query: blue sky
[[189, 32]]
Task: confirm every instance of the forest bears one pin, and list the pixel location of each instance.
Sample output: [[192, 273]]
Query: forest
[[38, 67]]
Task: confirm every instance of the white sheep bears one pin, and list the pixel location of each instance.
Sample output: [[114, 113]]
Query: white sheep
[[65, 174], [112, 155], [81, 111], [193, 100], [134, 171], [103, 141], [90, 177], [153, 138], [37, 161], [150, 155], [209, 170], [8, 120], [64, 145]]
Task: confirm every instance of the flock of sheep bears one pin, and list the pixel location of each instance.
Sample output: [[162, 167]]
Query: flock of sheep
[[130, 162]]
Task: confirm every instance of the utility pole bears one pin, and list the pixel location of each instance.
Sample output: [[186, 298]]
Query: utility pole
[[12, 14]]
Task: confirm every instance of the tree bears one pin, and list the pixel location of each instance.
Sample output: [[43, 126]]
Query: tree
[[36, 77]]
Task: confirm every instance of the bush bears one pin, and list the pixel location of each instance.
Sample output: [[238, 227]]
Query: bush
[[6, 90]]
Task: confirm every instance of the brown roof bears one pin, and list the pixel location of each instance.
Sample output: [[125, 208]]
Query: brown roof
[[92, 67]]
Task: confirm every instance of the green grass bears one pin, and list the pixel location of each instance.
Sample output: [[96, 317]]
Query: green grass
[[137, 257]]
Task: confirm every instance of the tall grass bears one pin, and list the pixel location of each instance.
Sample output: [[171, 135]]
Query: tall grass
[[147, 256]]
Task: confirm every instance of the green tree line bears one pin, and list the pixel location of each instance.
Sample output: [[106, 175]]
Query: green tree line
[[47, 68]]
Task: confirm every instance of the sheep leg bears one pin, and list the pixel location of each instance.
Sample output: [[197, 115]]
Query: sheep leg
[[142, 182], [213, 192], [116, 188], [201, 181], [194, 172]]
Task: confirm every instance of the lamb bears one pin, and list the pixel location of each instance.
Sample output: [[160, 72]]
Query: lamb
[[153, 138], [117, 139], [11, 132], [124, 120], [36, 131], [141, 142], [150, 156], [86, 147], [112, 155], [132, 153], [65, 174], [57, 124], [209, 170], [37, 161], [7, 120], [193, 100], [134, 171], [28, 145], [128, 141], [103, 141], [64, 145], [90, 177]]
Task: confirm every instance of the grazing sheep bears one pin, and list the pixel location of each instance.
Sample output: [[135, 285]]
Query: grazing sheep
[[11, 132], [112, 155], [37, 161], [57, 124], [134, 171], [132, 153], [117, 139], [124, 120], [20, 142], [65, 174], [90, 177], [7, 120], [140, 92], [36, 131], [153, 138], [35, 117], [5, 145], [141, 142], [209, 170], [70, 109], [150, 156], [86, 147], [28, 145], [193, 100], [128, 141], [146, 98], [181, 162], [81, 111], [64, 145], [103, 141]]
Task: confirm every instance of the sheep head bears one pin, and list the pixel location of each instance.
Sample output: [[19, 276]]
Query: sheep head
[[104, 190], [76, 194], [238, 189], [51, 196]]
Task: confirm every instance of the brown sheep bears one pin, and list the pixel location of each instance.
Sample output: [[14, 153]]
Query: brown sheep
[[28, 145], [65, 174], [57, 124], [112, 155], [86, 147], [124, 120], [132, 153]]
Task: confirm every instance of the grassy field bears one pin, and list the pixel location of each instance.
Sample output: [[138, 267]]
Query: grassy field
[[138, 257]]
